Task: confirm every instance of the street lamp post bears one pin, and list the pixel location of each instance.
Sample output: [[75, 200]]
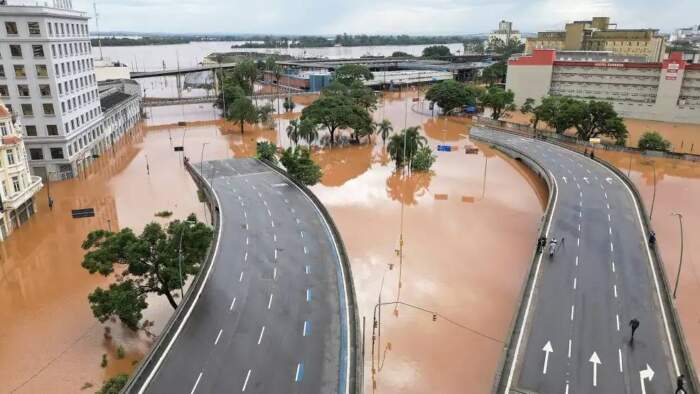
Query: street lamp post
[[48, 190], [653, 198], [201, 161], [680, 263]]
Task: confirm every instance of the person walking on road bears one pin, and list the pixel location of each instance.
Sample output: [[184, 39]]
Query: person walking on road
[[680, 385], [634, 324], [562, 241]]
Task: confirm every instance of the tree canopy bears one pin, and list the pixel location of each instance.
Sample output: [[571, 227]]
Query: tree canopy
[[404, 145], [241, 111], [499, 100], [147, 263], [595, 118], [300, 166], [349, 73], [434, 51], [266, 150], [450, 94], [652, 140], [495, 73]]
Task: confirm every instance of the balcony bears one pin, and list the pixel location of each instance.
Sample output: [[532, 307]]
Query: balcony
[[15, 200], [11, 139]]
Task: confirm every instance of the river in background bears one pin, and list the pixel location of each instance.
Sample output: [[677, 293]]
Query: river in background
[[153, 57]]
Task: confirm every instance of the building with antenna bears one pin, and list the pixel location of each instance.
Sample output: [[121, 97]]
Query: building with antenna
[[48, 82]]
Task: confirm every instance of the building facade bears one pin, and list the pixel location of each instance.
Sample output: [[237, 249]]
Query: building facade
[[687, 34], [667, 91], [120, 101], [505, 33], [598, 34], [18, 187]]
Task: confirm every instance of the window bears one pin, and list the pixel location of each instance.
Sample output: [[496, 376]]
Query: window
[[36, 154], [11, 28], [15, 183], [50, 31], [45, 90], [15, 50], [42, 71], [4, 92], [70, 150], [2, 71], [19, 71], [30, 130], [11, 156], [23, 90], [27, 110], [3, 129], [48, 109], [9, 108], [38, 51], [34, 29], [52, 129], [56, 153]]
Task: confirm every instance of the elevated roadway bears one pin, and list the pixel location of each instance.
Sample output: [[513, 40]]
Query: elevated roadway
[[574, 336]]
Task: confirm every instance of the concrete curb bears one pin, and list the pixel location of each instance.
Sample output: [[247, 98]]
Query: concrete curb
[[355, 359], [507, 355], [137, 378]]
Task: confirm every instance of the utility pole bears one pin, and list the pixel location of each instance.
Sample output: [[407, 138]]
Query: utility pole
[[680, 263], [653, 198], [97, 26]]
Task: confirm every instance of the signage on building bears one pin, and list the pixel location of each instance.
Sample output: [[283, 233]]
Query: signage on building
[[83, 213], [179, 149], [671, 77], [606, 64]]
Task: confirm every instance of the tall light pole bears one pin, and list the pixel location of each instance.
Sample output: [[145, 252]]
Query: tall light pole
[[201, 160], [680, 263], [653, 197]]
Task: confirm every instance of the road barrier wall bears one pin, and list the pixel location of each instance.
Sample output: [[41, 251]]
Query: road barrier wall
[[678, 337], [146, 366], [354, 335]]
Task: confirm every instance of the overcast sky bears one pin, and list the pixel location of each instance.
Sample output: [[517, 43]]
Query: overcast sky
[[431, 17]]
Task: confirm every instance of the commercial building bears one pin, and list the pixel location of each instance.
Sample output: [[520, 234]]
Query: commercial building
[[505, 33], [17, 203], [120, 101], [598, 34], [47, 79], [666, 91], [687, 34]]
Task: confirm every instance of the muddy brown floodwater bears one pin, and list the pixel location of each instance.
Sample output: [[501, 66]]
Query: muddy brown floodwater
[[468, 228]]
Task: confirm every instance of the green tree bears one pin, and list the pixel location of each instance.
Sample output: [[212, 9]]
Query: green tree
[[652, 140], [308, 131], [495, 73], [558, 112], [288, 104], [423, 159], [293, 131], [241, 111], [356, 90], [300, 166], [384, 128], [529, 107], [330, 111], [247, 74], [404, 145], [401, 54], [473, 45], [266, 150], [435, 51], [596, 118], [230, 90], [505, 49], [450, 94], [499, 100], [114, 385], [147, 263], [265, 113], [349, 73]]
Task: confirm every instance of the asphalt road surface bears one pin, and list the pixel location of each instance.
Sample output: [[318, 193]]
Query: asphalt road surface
[[577, 334], [269, 318]]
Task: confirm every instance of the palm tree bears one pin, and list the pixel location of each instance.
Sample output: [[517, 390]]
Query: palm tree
[[308, 132], [404, 145], [293, 131], [384, 128]]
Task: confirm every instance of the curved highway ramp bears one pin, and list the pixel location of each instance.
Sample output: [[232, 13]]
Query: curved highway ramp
[[271, 316], [574, 334]]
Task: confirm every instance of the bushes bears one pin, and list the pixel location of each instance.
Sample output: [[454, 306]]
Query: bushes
[[300, 166], [652, 140], [423, 159], [114, 385], [266, 151]]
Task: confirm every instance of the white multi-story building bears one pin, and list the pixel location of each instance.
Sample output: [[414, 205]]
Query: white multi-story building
[[47, 80], [17, 185], [505, 33]]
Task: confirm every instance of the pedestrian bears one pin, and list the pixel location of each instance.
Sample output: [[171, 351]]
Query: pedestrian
[[562, 241], [634, 324], [592, 154], [652, 238], [680, 384], [541, 242]]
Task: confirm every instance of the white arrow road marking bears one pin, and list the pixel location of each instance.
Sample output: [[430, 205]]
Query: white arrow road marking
[[595, 360], [647, 373], [585, 179], [609, 180], [547, 349], [564, 178]]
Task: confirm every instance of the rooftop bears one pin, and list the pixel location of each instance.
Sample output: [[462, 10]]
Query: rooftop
[[112, 100]]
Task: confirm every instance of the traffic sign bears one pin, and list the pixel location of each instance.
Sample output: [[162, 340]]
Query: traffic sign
[[83, 213], [444, 148], [179, 149]]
